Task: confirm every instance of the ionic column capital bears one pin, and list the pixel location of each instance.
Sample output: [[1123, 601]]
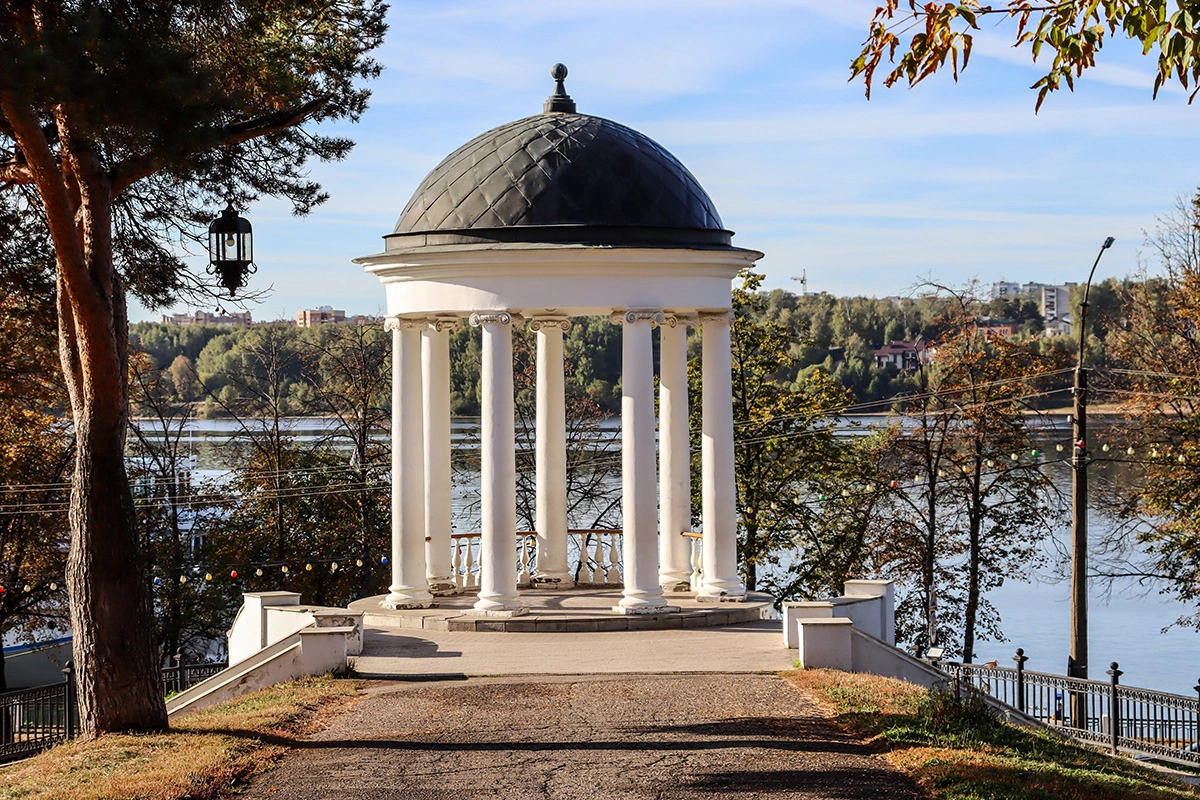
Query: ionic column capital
[[440, 324], [549, 323], [719, 317], [404, 323], [631, 316], [494, 318]]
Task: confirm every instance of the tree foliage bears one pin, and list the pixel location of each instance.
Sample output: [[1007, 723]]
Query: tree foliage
[[35, 449], [972, 504], [124, 125], [928, 35], [1156, 358]]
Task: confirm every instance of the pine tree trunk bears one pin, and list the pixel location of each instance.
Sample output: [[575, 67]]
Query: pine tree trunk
[[119, 683]]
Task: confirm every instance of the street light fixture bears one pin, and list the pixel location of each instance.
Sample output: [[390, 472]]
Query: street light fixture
[[1078, 658], [231, 249]]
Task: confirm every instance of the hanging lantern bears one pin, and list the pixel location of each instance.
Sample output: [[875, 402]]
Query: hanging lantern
[[231, 249]]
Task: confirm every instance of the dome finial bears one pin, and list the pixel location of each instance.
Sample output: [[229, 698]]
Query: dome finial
[[560, 100]]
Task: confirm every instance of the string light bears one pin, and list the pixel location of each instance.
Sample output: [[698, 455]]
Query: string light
[[28, 588], [233, 574], [258, 572], [183, 578], [308, 567], [284, 569], [208, 576], [358, 562], [1058, 447], [333, 567], [53, 586]]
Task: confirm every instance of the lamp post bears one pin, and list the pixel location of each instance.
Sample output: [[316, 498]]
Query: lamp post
[[1078, 658], [231, 249]]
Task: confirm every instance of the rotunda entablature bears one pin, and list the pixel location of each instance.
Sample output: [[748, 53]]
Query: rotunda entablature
[[576, 280]]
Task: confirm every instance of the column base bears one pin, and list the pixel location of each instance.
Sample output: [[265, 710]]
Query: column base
[[442, 587], [498, 607], [638, 610], [706, 596], [407, 599], [497, 613], [675, 583], [552, 582]]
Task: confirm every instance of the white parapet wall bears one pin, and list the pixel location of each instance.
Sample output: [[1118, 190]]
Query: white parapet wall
[[311, 651], [870, 605], [269, 617], [275, 638], [855, 632]]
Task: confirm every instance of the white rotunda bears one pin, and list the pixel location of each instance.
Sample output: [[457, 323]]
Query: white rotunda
[[553, 216]]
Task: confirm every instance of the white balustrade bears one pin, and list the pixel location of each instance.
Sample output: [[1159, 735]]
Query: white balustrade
[[465, 548], [696, 543], [466, 561], [596, 554], [526, 558]]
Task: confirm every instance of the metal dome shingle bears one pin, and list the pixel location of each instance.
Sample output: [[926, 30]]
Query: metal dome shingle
[[559, 169]]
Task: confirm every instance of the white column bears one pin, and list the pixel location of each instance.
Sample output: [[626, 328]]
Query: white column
[[721, 581], [639, 497], [674, 458], [498, 470], [409, 588], [551, 523], [435, 380]]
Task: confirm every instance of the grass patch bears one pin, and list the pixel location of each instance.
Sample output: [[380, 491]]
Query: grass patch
[[959, 750], [206, 752]]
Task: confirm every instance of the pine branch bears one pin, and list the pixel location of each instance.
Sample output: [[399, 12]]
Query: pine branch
[[134, 169]]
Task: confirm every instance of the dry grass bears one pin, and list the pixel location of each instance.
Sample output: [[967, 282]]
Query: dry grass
[[205, 753], [959, 751]]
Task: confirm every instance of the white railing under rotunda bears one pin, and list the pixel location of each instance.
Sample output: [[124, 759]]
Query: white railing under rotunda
[[594, 553]]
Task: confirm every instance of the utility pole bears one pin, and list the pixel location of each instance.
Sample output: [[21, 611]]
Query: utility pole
[[1077, 661]]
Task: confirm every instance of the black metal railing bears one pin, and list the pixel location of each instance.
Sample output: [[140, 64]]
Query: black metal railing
[[182, 676], [1105, 712], [32, 720]]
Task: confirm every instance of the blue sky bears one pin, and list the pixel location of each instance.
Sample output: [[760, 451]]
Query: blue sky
[[945, 181]]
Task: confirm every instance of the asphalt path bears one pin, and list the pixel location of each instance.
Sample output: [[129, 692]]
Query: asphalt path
[[696, 735]]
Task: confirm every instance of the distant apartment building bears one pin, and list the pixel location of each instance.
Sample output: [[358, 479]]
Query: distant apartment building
[[238, 319], [1053, 300], [321, 315]]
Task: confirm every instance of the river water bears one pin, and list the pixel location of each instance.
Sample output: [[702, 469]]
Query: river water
[[1126, 620]]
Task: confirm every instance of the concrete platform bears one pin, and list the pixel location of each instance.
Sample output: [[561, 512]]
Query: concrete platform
[[565, 611]]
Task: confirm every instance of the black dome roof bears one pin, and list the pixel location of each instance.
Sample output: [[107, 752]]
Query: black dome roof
[[561, 177]]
